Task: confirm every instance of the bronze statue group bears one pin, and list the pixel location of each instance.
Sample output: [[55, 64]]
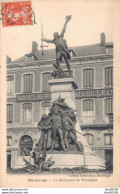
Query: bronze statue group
[[58, 128], [57, 134]]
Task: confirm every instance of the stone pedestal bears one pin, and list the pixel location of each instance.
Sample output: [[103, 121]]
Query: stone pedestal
[[73, 160], [65, 88]]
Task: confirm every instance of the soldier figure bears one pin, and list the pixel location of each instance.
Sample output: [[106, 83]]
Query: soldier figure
[[61, 46], [69, 131], [57, 128], [45, 128]]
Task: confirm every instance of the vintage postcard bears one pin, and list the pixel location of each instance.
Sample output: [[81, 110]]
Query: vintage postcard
[[59, 93]]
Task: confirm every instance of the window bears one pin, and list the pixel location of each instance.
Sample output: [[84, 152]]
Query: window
[[109, 49], [88, 105], [29, 57], [108, 139], [9, 140], [26, 144], [108, 76], [109, 106], [10, 84], [111, 119], [27, 112], [88, 78], [89, 139], [46, 107], [27, 83], [45, 85], [9, 113]]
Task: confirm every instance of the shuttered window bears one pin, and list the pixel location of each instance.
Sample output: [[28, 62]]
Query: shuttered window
[[88, 78], [109, 106], [46, 104], [108, 139], [9, 140], [27, 112], [9, 113], [109, 76], [27, 83], [10, 84], [88, 105], [89, 139], [46, 107], [45, 85]]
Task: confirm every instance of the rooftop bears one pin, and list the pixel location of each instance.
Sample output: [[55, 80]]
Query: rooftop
[[87, 50]]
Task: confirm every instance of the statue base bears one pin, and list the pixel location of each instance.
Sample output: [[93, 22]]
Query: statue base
[[67, 160], [76, 160], [64, 88]]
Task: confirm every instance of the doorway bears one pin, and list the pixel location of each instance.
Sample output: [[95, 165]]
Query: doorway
[[109, 159], [26, 145], [8, 160]]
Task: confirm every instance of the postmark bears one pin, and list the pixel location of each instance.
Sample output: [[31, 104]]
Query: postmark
[[17, 13]]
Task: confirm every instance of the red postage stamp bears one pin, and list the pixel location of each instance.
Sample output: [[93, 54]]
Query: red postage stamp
[[17, 13]]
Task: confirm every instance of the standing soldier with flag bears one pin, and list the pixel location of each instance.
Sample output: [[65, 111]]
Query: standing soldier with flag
[[61, 46]]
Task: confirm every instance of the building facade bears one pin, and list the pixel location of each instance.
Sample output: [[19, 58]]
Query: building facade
[[29, 96]]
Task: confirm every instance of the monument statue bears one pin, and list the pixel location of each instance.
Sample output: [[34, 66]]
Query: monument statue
[[45, 127], [61, 47], [69, 131], [59, 134], [58, 128], [61, 142]]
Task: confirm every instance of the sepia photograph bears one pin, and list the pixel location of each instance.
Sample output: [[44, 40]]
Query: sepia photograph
[[58, 91]]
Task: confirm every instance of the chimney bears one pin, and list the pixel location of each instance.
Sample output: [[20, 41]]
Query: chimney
[[8, 59], [34, 47], [102, 41]]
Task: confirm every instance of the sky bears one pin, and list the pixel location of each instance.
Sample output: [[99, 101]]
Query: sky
[[89, 19]]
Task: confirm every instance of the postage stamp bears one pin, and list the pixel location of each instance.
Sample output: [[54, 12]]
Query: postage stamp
[[17, 13]]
